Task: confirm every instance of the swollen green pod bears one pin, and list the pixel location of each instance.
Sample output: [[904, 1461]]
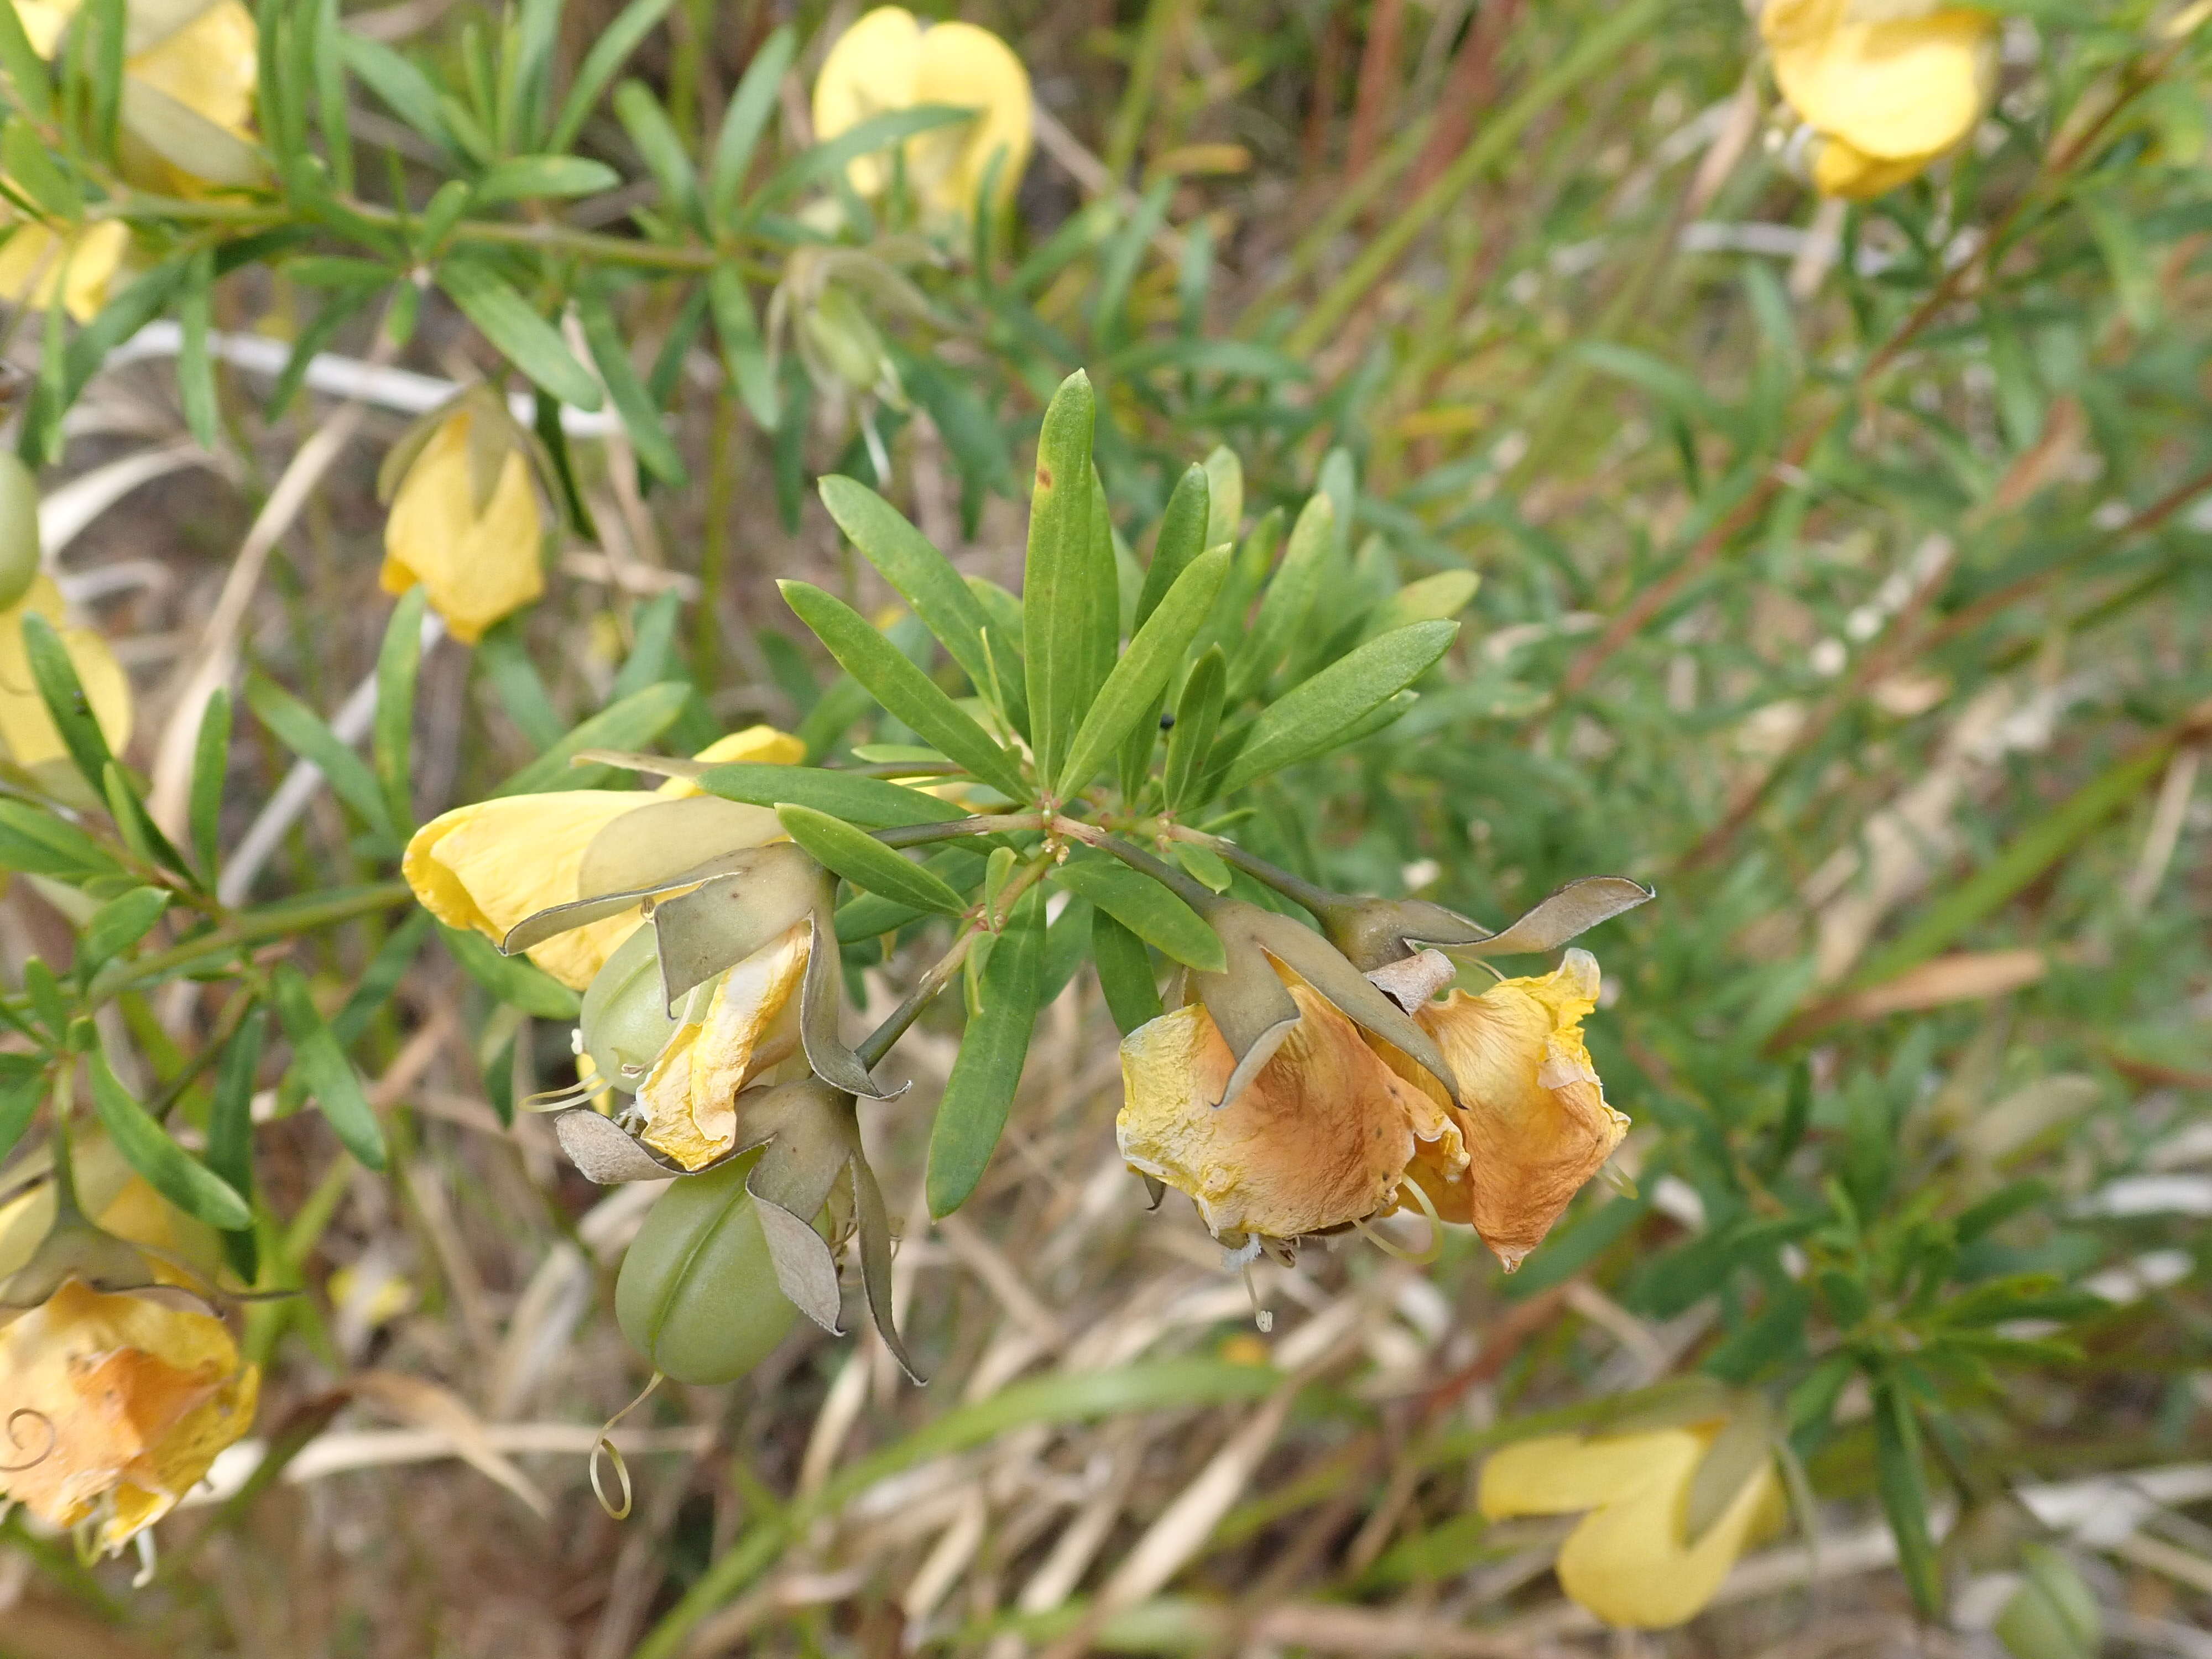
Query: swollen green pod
[[625, 1018], [697, 1294], [19, 528]]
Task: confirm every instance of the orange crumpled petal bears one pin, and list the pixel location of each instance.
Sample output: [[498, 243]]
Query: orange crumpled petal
[[115, 1397], [1534, 1119], [1321, 1139]]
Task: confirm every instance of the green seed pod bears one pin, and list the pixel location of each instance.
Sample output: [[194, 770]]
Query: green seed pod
[[2052, 1615], [19, 529], [697, 1293], [625, 1021]]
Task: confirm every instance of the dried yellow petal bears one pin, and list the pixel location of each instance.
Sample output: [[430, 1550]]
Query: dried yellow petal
[[750, 1023]]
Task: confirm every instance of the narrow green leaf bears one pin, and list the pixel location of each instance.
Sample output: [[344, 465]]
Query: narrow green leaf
[[323, 1070], [1204, 865], [515, 981], [1348, 690], [210, 769], [1132, 690], [872, 803], [902, 689], [1068, 594], [1145, 908], [632, 723], [866, 862], [1197, 717], [1289, 598], [19, 1096], [1904, 1494], [745, 119], [230, 1130], [980, 1091], [116, 927], [527, 340], [391, 737], [55, 676], [169, 1169], [1432, 599], [307, 734], [745, 354], [402, 86], [531, 178], [101, 25], [1181, 538], [380, 978], [608, 54], [925, 578], [661, 147], [826, 160], [502, 659], [1125, 973], [28, 88], [32, 173], [656, 452], [37, 843]]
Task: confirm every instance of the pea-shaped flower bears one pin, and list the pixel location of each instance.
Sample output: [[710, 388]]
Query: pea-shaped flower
[[889, 61], [488, 865], [114, 1405], [1888, 86], [1669, 1510], [466, 521]]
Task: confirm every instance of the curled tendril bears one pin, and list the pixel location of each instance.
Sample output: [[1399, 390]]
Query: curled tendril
[[1428, 1252], [606, 1447], [15, 1438]]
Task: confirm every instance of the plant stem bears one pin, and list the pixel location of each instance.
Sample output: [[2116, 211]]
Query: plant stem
[[250, 928], [986, 823], [877, 1043]]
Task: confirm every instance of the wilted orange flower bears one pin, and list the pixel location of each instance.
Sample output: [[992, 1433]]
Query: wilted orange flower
[[1321, 1139], [748, 1023], [1534, 1119], [112, 1407]]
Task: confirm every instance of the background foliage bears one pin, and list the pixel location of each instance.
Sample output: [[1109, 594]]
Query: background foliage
[[1844, 574]]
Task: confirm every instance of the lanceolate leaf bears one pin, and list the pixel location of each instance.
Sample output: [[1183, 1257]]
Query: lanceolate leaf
[[632, 723], [1134, 688], [1125, 973], [1182, 539], [512, 980], [866, 862], [1146, 908], [903, 688], [1069, 598], [641, 420], [1289, 596], [1197, 717], [392, 736], [993, 1049], [529, 342], [872, 803], [1315, 711], [169, 1168], [230, 1128], [925, 580], [325, 1072]]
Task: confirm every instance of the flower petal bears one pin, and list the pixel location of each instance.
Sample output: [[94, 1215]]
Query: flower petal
[[872, 69], [26, 728], [1892, 89], [750, 1023], [970, 68], [760, 744], [490, 864], [1535, 1122], [477, 567], [1320, 1139]]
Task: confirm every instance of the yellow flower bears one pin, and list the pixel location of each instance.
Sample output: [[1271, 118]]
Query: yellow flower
[[1320, 1139], [188, 89], [889, 61], [114, 1406], [1888, 85], [1534, 1120], [1631, 1560], [490, 864], [77, 262], [119, 1202], [465, 523], [749, 1023], [26, 728]]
